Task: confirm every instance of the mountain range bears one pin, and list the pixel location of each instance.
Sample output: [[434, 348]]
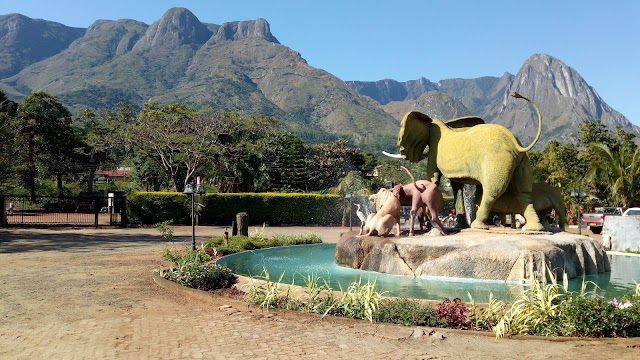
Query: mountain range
[[241, 66]]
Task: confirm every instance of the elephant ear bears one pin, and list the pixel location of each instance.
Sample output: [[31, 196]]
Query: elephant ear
[[464, 122], [414, 135]]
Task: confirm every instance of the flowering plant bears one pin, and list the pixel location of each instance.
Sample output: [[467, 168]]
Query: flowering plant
[[454, 313], [622, 305]]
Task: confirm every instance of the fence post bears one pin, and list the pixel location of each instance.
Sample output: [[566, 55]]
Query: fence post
[[123, 215], [3, 212], [96, 209]]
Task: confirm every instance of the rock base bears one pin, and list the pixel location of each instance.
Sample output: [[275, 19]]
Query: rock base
[[509, 255]]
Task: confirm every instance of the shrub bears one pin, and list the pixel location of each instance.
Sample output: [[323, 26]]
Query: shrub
[[165, 230], [241, 243], [153, 208], [297, 239], [218, 208], [485, 318], [593, 316], [202, 276], [549, 309], [453, 312], [407, 312], [359, 301], [192, 270]]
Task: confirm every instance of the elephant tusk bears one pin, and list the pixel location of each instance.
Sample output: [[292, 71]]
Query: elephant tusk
[[395, 156]]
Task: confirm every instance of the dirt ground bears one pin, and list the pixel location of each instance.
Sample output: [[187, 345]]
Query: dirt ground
[[89, 294]]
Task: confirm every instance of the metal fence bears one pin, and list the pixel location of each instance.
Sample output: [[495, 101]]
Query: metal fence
[[96, 210]]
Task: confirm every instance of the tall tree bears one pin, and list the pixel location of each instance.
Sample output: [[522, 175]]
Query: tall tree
[[8, 163], [333, 161], [620, 170], [280, 160], [236, 166], [103, 135], [44, 133], [607, 154]]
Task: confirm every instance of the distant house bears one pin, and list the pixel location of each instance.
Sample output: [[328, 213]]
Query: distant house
[[119, 174]]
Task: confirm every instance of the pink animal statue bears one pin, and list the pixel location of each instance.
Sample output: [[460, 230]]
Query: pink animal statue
[[421, 194]]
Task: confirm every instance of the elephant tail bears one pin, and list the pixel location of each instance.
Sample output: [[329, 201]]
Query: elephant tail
[[521, 149]]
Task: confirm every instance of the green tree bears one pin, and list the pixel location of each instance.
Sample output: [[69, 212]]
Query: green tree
[[177, 137], [333, 161], [620, 170], [103, 134], [8, 163], [280, 160], [44, 136], [605, 165], [235, 165]]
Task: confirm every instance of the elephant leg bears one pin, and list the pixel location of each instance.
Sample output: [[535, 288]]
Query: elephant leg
[[542, 215], [530, 215], [482, 216], [558, 205], [522, 182], [496, 183], [458, 198]]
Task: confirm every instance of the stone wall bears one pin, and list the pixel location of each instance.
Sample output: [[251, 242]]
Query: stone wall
[[476, 254]]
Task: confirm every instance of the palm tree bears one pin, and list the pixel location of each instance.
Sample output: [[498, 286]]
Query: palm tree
[[619, 169]]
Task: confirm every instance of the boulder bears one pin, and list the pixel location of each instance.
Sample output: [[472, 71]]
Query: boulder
[[503, 255]]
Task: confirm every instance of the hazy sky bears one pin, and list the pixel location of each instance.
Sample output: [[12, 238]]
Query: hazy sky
[[406, 40]]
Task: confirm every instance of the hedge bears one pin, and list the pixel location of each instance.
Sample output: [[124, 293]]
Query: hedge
[[221, 209]]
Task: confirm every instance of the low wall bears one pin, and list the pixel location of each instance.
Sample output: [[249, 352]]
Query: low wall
[[478, 254], [624, 232]]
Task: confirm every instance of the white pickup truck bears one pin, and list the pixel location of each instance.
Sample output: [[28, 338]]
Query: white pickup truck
[[595, 221]]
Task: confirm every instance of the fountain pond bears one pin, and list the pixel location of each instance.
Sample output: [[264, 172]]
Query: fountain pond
[[296, 262]]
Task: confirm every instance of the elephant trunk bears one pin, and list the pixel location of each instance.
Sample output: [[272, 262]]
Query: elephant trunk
[[521, 149]]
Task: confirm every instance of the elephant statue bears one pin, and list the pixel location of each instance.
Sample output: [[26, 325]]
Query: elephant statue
[[544, 196], [386, 216], [421, 194], [468, 151]]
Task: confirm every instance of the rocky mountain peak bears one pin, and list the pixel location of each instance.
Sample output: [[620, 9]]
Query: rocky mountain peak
[[239, 30], [24, 41], [177, 27], [564, 97], [546, 76]]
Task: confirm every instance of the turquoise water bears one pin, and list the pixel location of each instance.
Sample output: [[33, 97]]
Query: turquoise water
[[299, 261]]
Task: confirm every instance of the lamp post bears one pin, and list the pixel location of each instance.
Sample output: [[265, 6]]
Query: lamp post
[[579, 195], [348, 196], [189, 190]]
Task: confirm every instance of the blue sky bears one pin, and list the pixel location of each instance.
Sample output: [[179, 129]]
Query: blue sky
[[406, 40]]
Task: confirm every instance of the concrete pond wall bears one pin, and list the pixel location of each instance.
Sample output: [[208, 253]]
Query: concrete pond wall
[[623, 232]]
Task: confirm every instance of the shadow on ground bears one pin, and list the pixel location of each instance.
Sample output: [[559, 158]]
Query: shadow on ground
[[22, 241]]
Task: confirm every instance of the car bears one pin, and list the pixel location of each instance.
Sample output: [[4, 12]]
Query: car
[[631, 211], [595, 221]]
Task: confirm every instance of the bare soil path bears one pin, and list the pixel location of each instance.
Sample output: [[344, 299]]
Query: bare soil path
[[89, 294]]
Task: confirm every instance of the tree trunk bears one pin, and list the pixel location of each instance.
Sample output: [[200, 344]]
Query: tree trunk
[[92, 173], [59, 181]]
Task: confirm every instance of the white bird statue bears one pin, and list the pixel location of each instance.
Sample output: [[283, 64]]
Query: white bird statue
[[361, 216]]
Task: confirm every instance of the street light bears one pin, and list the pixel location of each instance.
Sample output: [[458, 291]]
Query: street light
[[579, 195], [188, 190], [348, 196]]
